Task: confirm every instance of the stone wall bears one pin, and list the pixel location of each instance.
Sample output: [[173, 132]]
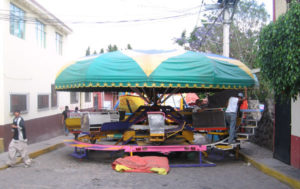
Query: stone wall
[[264, 133]]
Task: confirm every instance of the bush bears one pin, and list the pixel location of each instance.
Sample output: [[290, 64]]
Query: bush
[[279, 53]]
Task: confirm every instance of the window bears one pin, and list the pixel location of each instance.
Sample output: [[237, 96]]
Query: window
[[43, 101], [74, 97], [58, 39], [40, 34], [17, 21], [87, 97], [18, 102], [53, 96]]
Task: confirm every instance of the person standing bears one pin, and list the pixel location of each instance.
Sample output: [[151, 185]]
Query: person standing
[[65, 114], [19, 142], [198, 105], [231, 115]]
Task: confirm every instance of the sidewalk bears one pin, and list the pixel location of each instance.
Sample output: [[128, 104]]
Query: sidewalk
[[263, 160], [36, 149]]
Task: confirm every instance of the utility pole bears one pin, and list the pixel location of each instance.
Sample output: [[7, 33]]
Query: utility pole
[[227, 17], [226, 29]]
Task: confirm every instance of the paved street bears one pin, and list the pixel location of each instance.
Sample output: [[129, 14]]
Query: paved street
[[59, 170]]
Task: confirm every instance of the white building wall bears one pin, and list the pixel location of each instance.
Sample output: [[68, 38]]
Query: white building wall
[[1, 68], [296, 117], [30, 69], [280, 7]]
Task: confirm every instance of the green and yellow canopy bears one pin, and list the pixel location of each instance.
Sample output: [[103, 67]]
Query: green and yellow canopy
[[122, 70]]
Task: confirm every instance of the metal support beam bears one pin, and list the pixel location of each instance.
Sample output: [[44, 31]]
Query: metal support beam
[[136, 90], [162, 95], [154, 96], [200, 164], [173, 92]]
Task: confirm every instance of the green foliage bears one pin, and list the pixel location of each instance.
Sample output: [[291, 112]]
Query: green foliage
[[115, 48], [247, 22], [263, 93], [279, 53], [249, 18], [203, 95], [110, 48], [88, 52], [129, 47]]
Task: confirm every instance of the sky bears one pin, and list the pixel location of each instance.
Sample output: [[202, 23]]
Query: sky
[[159, 34]]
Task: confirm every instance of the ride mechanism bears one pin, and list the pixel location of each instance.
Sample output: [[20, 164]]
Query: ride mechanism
[[155, 76]]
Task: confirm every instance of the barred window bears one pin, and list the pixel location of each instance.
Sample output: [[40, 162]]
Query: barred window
[[43, 101], [18, 102], [53, 96], [87, 97], [74, 97]]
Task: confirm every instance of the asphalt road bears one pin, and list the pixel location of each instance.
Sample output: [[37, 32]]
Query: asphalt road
[[59, 170]]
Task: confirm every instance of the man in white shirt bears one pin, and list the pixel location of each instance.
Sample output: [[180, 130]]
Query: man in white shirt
[[19, 141], [231, 114]]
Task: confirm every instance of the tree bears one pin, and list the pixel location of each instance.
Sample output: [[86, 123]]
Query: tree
[[109, 48], [247, 22], [129, 47], [279, 53], [115, 48], [112, 48], [88, 52]]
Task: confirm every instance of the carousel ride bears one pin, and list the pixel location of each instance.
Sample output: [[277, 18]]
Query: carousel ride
[[155, 76]]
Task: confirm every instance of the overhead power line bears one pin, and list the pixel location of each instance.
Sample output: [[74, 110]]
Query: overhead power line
[[189, 9], [234, 9], [198, 17], [211, 26], [31, 19]]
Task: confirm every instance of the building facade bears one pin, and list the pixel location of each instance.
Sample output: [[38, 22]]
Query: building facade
[[33, 43], [105, 100], [293, 120]]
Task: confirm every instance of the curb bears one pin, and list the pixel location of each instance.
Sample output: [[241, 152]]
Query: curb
[[271, 172], [38, 153]]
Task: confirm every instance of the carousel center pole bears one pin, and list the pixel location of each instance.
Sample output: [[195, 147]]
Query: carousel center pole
[[150, 94]]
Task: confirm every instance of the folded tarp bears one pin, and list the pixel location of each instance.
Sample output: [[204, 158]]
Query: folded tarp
[[148, 164]]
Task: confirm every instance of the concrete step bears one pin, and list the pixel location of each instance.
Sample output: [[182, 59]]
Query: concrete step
[[244, 134], [249, 126], [224, 147], [254, 120], [242, 138]]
